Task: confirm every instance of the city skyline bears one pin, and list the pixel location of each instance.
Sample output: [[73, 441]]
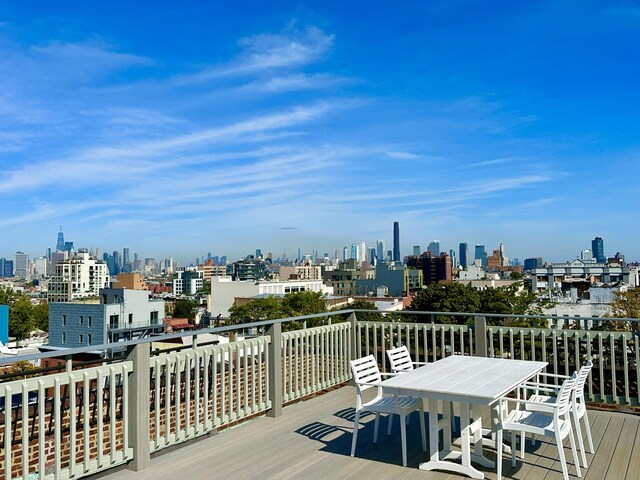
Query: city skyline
[[177, 130]]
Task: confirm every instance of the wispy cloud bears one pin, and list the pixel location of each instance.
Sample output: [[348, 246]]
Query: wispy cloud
[[266, 52], [403, 155]]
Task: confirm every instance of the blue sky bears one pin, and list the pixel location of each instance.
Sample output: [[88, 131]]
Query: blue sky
[[180, 128]]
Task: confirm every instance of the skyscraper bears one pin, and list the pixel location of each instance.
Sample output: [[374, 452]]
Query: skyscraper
[[481, 254], [416, 250], [22, 265], [396, 242], [597, 247], [464, 255], [60, 244], [434, 247], [381, 247]]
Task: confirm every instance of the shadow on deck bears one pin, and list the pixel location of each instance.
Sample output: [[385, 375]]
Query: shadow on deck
[[312, 440]]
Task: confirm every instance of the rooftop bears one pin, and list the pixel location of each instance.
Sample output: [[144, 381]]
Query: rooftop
[[312, 440]]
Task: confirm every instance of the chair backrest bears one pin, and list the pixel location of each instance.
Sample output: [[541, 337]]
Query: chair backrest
[[400, 359], [365, 370], [564, 396], [582, 379]]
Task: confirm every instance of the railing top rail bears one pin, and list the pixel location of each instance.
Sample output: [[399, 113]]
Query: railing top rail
[[229, 328], [169, 336]]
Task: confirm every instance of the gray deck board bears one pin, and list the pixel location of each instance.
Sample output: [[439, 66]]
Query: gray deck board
[[312, 440]]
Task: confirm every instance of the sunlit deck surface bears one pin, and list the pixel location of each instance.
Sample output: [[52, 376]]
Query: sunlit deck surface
[[312, 440]]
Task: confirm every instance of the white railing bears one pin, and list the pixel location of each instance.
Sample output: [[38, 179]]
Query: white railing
[[426, 341], [66, 425], [315, 359], [615, 376], [197, 390]]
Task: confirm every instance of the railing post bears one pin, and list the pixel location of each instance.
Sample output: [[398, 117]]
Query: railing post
[[480, 334], [139, 397], [274, 352], [355, 351]]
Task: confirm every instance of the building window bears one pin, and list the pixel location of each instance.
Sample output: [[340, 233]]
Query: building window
[[131, 318], [113, 321], [153, 317], [89, 320], [81, 338], [89, 338], [64, 320], [81, 320], [64, 337]]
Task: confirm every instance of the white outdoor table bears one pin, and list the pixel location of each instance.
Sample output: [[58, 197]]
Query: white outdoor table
[[468, 381]]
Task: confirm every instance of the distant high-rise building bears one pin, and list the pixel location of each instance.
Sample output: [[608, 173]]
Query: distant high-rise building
[[60, 243], [481, 254], [434, 268], [597, 247], [454, 261], [586, 255], [258, 253], [464, 255], [372, 256], [396, 242], [381, 247], [434, 247], [416, 250], [531, 263], [6, 267], [22, 265]]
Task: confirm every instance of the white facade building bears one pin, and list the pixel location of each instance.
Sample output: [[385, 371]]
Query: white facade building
[[224, 291], [550, 278], [79, 277]]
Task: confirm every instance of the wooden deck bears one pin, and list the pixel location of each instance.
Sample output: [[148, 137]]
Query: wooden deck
[[312, 440]]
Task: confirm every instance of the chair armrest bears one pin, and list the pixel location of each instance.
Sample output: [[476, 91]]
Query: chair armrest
[[555, 375], [530, 402], [545, 387]]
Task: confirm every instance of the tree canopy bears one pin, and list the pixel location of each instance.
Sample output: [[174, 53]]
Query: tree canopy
[[24, 317], [291, 305], [625, 305], [457, 297], [185, 308]]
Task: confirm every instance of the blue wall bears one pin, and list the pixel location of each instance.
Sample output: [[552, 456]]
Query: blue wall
[[4, 324]]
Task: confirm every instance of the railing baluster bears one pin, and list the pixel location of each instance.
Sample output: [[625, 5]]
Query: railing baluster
[[57, 428], [24, 437], [8, 412], [625, 364], [614, 384], [603, 396]]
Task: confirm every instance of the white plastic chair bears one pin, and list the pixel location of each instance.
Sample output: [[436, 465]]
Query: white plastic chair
[[367, 375], [400, 360], [556, 423], [546, 394]]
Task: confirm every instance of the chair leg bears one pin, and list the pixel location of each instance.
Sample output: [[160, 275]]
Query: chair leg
[[356, 423], [563, 461], [576, 462], [375, 428], [514, 434], [423, 430], [389, 423], [523, 441], [403, 437], [580, 440], [499, 452], [588, 429]]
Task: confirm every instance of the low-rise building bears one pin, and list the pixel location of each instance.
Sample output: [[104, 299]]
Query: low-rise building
[[224, 291], [119, 314]]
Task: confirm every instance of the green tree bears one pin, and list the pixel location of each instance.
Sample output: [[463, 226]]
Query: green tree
[[625, 305], [7, 296], [185, 308], [511, 299], [20, 319], [372, 316], [40, 314], [516, 276], [23, 367], [257, 310], [446, 297]]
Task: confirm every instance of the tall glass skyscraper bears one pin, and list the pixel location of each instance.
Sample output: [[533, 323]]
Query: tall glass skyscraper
[[434, 247], [597, 247], [464, 255], [396, 242], [481, 254], [60, 244]]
